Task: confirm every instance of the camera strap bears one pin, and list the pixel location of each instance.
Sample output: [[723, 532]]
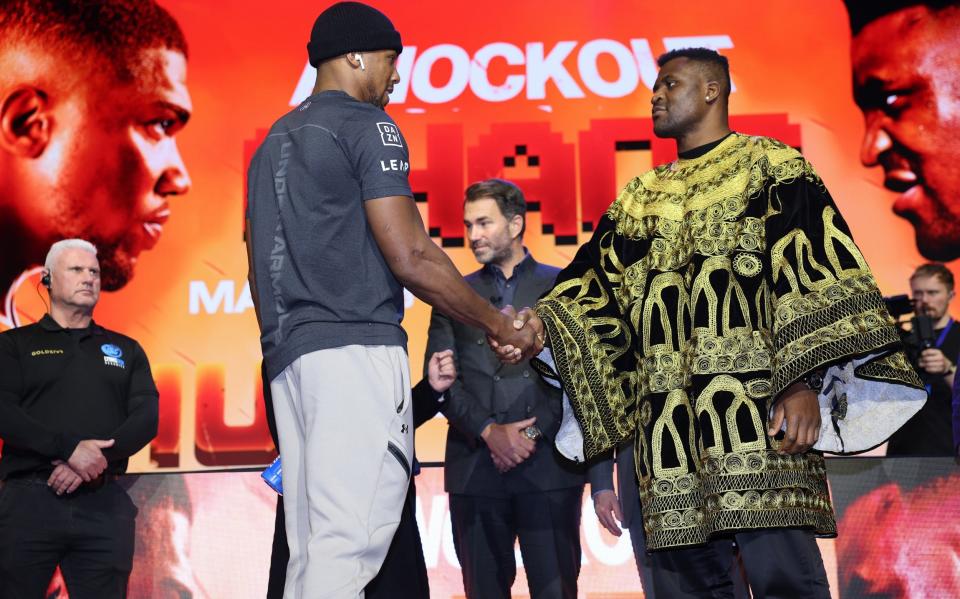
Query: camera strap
[[940, 339]]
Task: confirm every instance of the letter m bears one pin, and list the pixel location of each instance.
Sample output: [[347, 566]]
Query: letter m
[[222, 297]]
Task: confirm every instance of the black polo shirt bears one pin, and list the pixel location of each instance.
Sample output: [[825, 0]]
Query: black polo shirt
[[60, 386]]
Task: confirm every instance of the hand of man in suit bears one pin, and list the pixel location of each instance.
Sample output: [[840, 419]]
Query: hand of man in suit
[[607, 506], [441, 371], [509, 447]]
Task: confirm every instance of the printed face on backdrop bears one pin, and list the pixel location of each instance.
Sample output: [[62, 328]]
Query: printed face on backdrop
[[907, 85], [110, 164], [162, 566]]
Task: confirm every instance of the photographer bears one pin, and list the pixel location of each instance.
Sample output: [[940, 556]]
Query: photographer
[[933, 345]]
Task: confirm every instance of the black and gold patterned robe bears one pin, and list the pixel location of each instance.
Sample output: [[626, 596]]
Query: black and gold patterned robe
[[710, 286]]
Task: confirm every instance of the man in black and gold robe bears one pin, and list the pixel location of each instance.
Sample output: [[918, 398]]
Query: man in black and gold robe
[[723, 316]]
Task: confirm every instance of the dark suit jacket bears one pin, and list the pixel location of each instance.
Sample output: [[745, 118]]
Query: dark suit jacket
[[600, 475], [488, 390], [426, 403]]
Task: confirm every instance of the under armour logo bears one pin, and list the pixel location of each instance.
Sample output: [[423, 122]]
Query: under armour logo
[[403, 428]]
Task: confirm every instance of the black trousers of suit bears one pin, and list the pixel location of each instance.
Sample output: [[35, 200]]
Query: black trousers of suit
[[547, 525], [403, 574], [89, 533], [780, 563], [279, 555]]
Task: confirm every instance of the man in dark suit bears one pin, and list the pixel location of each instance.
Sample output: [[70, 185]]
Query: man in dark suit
[[504, 478], [621, 507]]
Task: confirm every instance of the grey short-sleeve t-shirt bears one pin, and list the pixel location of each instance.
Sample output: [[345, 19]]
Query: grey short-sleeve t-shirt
[[322, 281]]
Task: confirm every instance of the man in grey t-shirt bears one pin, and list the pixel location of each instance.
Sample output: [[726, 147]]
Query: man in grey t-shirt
[[333, 236]]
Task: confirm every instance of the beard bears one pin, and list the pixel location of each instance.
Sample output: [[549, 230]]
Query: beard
[[671, 124], [376, 97], [116, 265], [116, 255], [495, 255], [938, 238], [663, 128]]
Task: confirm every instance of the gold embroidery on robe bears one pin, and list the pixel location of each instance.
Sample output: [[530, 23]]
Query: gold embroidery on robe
[[709, 287]]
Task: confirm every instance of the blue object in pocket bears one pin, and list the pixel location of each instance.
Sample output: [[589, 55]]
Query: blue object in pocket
[[273, 476]]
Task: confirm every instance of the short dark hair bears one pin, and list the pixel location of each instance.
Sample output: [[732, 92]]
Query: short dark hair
[[508, 196], [863, 13], [115, 31], [714, 65], [934, 269]]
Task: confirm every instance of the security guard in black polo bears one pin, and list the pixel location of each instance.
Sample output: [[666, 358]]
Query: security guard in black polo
[[76, 400]]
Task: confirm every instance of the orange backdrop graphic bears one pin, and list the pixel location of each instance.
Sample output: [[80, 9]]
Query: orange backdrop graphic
[[193, 529], [554, 95]]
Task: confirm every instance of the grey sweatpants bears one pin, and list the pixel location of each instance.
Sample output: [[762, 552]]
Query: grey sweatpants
[[346, 441]]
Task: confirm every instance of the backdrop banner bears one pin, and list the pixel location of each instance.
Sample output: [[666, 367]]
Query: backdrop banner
[[552, 95], [209, 534]]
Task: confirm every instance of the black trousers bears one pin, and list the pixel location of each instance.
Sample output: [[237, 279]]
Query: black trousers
[[404, 571], [89, 533], [279, 555], [547, 525], [780, 563]]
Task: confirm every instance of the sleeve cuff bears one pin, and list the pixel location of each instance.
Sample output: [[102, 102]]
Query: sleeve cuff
[[483, 427], [375, 193], [66, 444]]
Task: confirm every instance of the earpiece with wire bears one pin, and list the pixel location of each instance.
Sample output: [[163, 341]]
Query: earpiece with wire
[[45, 281]]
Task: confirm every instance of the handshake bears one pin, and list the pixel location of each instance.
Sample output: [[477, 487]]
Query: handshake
[[520, 335]]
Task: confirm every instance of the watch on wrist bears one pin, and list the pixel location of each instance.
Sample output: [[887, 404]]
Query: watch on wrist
[[532, 432]]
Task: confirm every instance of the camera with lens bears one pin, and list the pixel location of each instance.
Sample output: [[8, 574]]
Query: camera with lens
[[898, 305], [920, 335]]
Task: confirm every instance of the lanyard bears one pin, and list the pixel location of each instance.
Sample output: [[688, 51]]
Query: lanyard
[[943, 333], [940, 340]]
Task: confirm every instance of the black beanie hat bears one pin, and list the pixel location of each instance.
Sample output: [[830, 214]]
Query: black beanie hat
[[351, 27]]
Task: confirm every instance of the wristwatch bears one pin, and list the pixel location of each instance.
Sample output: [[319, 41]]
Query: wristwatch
[[532, 432]]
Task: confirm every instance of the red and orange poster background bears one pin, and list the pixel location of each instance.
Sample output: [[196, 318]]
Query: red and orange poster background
[[572, 125], [554, 95]]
